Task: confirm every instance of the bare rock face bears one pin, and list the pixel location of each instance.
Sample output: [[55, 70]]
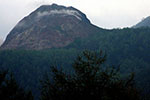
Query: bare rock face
[[50, 26]]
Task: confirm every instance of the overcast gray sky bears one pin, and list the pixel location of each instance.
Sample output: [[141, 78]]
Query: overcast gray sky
[[103, 13]]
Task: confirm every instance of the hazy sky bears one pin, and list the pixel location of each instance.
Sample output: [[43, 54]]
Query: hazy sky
[[103, 13]]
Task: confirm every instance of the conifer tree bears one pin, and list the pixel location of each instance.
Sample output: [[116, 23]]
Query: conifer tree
[[10, 90], [90, 81]]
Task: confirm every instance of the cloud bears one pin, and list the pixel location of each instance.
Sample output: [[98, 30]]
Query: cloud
[[42, 14], [62, 11]]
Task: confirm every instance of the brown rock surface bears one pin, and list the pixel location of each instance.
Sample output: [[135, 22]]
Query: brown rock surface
[[50, 26]]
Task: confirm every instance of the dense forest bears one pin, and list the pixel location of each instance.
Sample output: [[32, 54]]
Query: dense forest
[[29, 66], [87, 80], [127, 48]]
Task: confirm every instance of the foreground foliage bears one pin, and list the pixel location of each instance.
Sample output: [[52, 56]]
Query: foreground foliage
[[90, 80], [9, 89]]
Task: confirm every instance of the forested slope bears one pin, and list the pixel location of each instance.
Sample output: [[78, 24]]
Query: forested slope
[[127, 47]]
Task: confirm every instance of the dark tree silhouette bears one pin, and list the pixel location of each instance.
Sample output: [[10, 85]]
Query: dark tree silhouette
[[90, 80], [9, 89]]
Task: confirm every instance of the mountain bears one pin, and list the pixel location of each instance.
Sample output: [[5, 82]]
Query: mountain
[[49, 26], [68, 32], [144, 23]]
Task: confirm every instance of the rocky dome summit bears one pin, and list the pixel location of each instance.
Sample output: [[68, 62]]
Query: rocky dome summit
[[55, 10], [49, 26]]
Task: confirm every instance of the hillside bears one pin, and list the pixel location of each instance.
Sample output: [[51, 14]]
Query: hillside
[[126, 47], [144, 23]]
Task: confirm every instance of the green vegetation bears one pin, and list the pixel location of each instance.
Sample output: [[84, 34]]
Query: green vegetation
[[29, 66], [90, 81], [126, 47], [9, 89]]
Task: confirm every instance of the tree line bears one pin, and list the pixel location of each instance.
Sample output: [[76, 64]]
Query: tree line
[[89, 80]]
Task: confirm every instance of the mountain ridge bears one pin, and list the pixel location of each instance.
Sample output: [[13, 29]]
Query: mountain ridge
[[49, 26], [144, 23]]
